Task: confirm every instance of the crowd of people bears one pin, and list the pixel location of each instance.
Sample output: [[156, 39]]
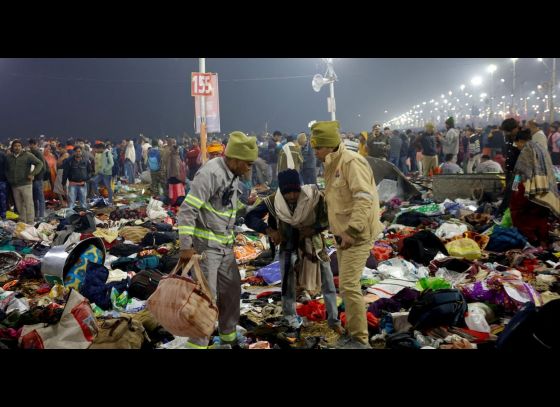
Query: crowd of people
[[214, 194]]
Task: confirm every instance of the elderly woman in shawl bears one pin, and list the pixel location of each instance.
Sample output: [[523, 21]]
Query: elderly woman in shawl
[[535, 193]]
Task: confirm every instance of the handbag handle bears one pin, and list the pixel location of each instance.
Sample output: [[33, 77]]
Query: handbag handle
[[199, 275]]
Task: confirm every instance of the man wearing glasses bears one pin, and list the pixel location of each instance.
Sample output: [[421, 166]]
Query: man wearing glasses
[[206, 222]]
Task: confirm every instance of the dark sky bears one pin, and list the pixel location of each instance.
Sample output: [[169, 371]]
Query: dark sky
[[118, 98]]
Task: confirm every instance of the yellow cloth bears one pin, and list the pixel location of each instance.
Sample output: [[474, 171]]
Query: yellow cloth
[[109, 235], [362, 148], [133, 233]]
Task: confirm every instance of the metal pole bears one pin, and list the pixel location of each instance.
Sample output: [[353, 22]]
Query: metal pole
[[492, 99], [333, 104], [513, 110], [202, 69], [552, 89]]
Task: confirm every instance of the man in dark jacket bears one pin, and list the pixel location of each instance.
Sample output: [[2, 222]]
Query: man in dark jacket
[[20, 176], [378, 143], [78, 171], [38, 193], [427, 141]]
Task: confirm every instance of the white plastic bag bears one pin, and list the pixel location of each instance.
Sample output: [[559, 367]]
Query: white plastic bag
[[476, 320], [155, 209], [449, 230]]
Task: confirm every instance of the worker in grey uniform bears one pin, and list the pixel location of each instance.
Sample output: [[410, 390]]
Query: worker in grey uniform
[[206, 222]]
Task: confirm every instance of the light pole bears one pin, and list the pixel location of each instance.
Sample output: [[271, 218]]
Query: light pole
[[552, 86], [202, 69], [329, 78], [492, 68], [552, 90], [513, 110]]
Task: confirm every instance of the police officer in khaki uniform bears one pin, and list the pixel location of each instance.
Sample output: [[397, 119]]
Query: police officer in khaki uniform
[[353, 210]]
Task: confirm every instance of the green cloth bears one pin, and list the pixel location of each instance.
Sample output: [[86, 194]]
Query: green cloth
[[507, 222], [325, 134], [242, 147], [18, 169], [433, 283], [8, 248]]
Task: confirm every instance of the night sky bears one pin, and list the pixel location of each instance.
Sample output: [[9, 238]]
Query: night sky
[[117, 98]]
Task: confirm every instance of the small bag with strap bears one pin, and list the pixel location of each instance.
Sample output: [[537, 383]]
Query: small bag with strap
[[183, 306], [144, 283]]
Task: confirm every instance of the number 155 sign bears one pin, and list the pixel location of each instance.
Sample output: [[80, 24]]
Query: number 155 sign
[[201, 84]]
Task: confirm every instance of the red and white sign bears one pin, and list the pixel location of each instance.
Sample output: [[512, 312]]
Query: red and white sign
[[212, 107], [201, 84]]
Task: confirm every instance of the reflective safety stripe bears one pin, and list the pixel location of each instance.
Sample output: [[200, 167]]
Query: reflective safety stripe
[[194, 201], [228, 337], [228, 214], [195, 346], [206, 234], [240, 205], [198, 204]]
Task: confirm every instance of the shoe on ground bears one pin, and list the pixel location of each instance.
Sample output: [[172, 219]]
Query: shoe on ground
[[338, 329], [347, 342]]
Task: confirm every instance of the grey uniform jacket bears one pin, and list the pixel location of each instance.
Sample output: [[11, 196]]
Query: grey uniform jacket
[[203, 217]]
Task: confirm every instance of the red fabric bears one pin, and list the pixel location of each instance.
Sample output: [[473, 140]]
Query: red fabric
[[381, 252], [175, 191], [266, 294], [529, 218], [313, 311], [335, 278], [45, 288], [193, 157], [372, 320]]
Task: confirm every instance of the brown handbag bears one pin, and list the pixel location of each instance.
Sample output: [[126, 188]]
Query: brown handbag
[[183, 306]]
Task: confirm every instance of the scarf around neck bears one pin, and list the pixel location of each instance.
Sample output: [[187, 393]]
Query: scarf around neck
[[307, 201]]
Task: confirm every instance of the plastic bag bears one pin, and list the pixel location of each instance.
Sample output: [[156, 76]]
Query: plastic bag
[[432, 283], [449, 230], [466, 248], [398, 268], [387, 189], [476, 320], [155, 210]]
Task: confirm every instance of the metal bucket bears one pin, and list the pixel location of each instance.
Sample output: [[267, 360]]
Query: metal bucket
[[58, 261]]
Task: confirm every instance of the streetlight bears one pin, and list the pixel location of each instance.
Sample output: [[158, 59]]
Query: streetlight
[[476, 81], [513, 109], [492, 68], [329, 78]]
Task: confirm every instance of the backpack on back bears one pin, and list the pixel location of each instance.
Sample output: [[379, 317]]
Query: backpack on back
[[153, 161]]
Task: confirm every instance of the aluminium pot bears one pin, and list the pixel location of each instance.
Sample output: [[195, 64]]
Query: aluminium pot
[[58, 261]]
